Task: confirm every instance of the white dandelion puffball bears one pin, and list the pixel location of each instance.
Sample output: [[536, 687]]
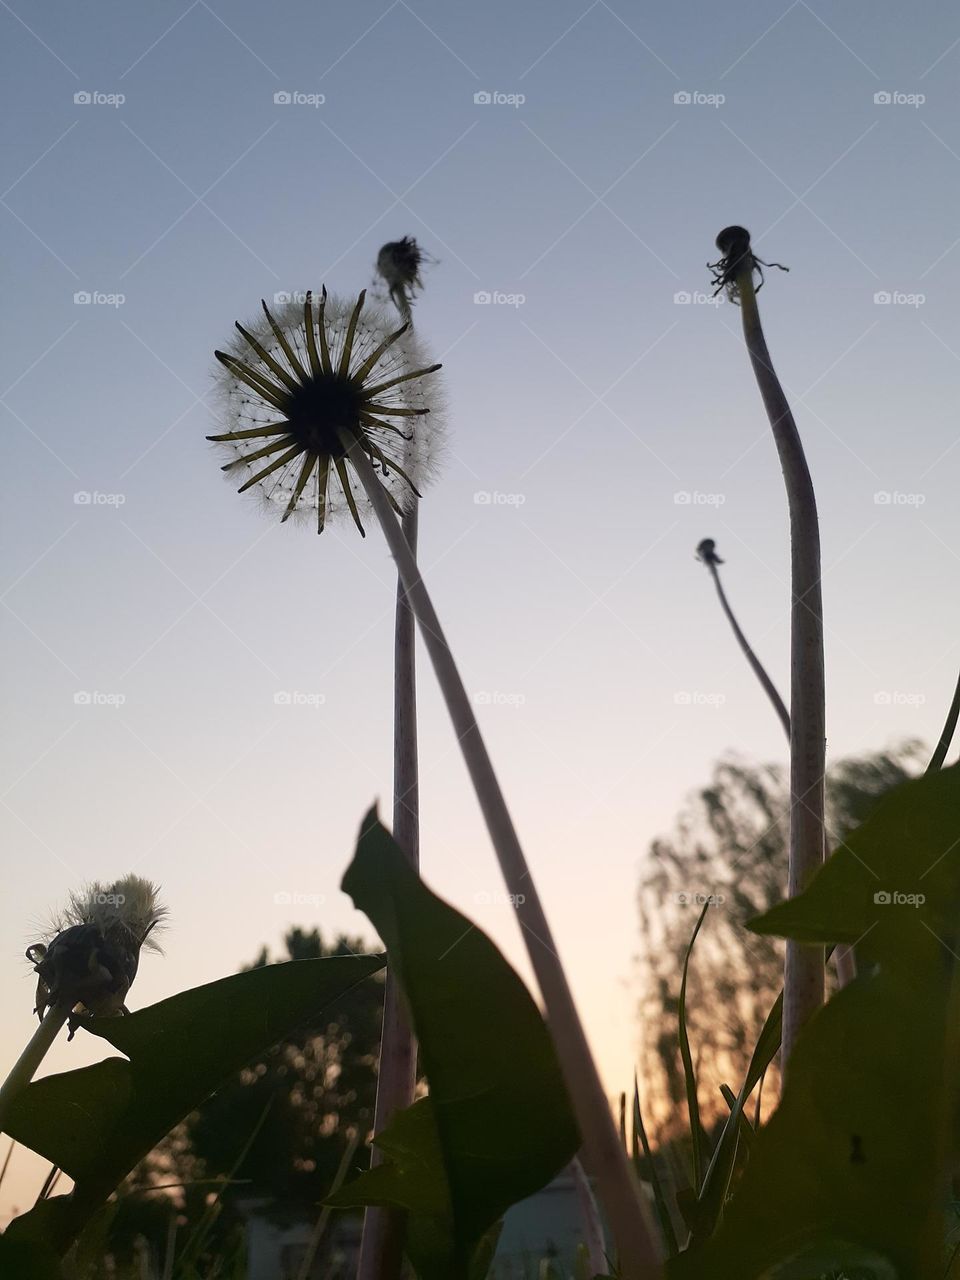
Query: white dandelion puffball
[[305, 376]]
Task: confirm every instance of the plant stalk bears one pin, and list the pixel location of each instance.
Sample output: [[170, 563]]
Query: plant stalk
[[604, 1157], [946, 737], [381, 1243], [803, 975], [25, 1067]]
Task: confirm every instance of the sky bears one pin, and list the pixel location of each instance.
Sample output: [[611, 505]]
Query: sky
[[567, 166]]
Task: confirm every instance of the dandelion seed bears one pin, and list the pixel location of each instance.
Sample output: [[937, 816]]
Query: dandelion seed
[[294, 383], [91, 960]]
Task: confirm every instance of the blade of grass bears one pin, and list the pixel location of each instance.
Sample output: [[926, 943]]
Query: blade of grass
[[198, 1236], [659, 1198], [320, 1227], [689, 1076], [716, 1183]]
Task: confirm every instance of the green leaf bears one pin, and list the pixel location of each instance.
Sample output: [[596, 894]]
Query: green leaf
[[855, 1157], [497, 1125], [98, 1122], [28, 1260]]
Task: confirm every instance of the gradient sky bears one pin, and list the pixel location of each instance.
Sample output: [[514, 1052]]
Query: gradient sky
[[596, 404]]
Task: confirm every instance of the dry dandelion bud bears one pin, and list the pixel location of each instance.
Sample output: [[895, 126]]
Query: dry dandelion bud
[[91, 959]]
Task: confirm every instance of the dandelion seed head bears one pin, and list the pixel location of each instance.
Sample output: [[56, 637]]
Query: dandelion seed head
[[92, 952], [303, 372]]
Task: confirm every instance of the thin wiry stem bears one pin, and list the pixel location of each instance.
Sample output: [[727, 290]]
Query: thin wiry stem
[[844, 956], [604, 1157], [25, 1067], [803, 974], [757, 667], [946, 737]]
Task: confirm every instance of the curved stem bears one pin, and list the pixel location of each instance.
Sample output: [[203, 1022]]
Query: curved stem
[[25, 1067], [946, 737], [769, 688], [803, 975], [619, 1192]]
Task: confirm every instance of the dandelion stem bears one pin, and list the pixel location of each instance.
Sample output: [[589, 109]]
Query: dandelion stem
[[604, 1157], [769, 688], [946, 737], [803, 975], [381, 1243], [25, 1068]]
